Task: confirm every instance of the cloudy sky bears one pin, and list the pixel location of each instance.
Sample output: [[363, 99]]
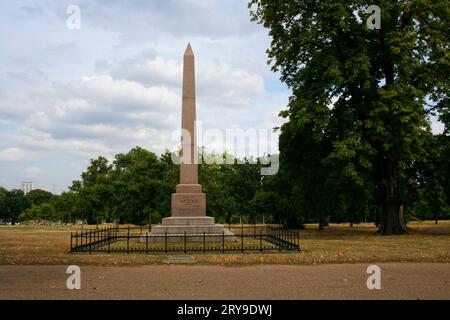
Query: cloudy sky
[[69, 95]]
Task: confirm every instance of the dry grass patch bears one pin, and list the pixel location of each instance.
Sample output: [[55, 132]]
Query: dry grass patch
[[338, 243]]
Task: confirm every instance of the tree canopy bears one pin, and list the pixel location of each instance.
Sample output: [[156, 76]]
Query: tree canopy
[[358, 116]]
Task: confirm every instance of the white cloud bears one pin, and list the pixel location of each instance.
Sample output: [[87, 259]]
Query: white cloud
[[116, 82], [150, 71], [33, 172], [218, 84], [12, 154]]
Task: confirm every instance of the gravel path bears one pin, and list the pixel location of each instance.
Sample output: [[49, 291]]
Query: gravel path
[[338, 281]]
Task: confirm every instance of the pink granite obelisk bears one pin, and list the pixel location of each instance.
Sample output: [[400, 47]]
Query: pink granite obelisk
[[188, 201], [188, 214]]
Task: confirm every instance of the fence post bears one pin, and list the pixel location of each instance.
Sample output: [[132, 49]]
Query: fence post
[[204, 242], [294, 239], [260, 241], [291, 239], [242, 242], [146, 243], [109, 245], [165, 241], [82, 235], [223, 242], [90, 242], [71, 236], [128, 240], [185, 242], [280, 243], [76, 239]]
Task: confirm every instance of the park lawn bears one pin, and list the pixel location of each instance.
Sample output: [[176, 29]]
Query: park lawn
[[338, 243]]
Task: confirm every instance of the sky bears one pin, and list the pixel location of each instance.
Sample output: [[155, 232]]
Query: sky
[[69, 95]]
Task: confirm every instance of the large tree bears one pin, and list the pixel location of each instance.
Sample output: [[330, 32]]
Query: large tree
[[39, 196], [360, 94], [12, 203]]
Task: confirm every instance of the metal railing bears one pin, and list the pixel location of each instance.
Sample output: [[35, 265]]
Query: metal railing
[[245, 238]]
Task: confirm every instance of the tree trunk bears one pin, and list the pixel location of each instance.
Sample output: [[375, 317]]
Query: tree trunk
[[392, 221], [321, 223]]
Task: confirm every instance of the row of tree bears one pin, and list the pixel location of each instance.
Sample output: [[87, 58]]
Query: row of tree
[[136, 188], [15, 203]]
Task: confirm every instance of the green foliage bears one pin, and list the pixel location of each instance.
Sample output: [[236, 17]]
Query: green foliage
[[230, 189], [38, 196], [12, 203], [357, 117], [44, 211]]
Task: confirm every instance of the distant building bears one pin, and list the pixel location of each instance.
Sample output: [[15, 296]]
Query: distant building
[[26, 187]]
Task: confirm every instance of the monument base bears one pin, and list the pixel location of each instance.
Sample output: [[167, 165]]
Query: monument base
[[197, 229]]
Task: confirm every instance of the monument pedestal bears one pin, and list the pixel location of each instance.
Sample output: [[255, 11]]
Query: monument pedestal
[[188, 201], [196, 229]]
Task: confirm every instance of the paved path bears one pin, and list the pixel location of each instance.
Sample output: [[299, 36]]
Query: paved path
[[338, 281]]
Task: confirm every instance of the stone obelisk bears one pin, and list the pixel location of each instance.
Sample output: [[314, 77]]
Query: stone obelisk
[[188, 214], [188, 201]]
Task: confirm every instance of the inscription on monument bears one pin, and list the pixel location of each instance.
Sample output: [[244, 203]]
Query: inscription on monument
[[188, 204]]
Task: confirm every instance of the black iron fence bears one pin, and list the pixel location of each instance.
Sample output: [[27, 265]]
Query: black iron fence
[[244, 238]]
